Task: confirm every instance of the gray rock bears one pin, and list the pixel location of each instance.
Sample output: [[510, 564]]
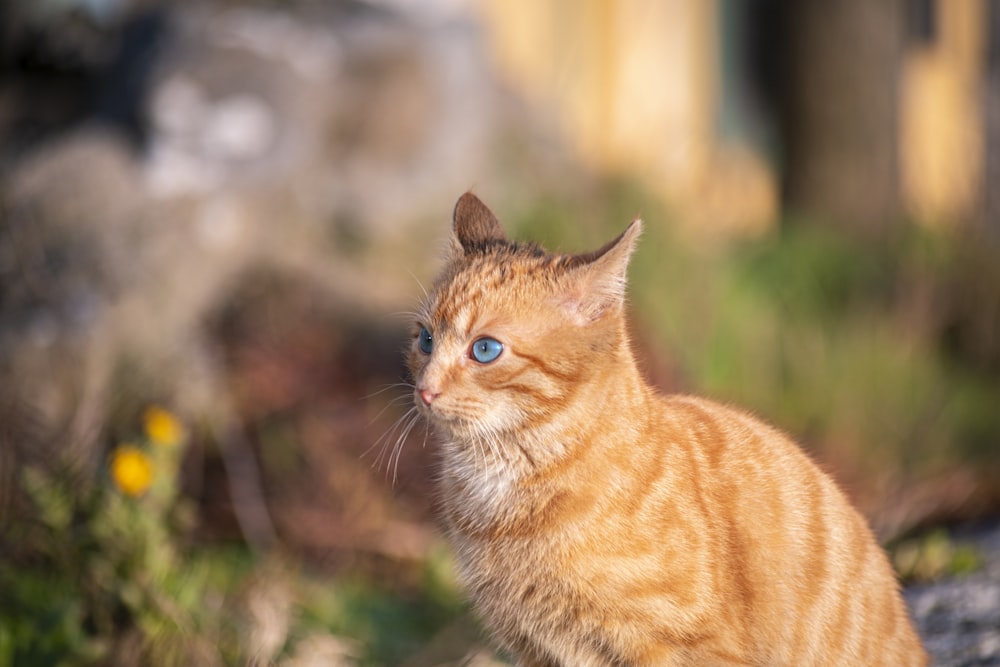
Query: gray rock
[[959, 619]]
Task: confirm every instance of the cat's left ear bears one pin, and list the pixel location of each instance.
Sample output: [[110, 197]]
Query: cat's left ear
[[474, 225], [596, 280]]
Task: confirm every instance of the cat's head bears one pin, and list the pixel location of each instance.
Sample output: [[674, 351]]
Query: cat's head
[[509, 333]]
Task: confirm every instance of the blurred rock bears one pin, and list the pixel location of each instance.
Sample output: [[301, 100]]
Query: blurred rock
[[370, 117], [959, 618], [71, 249], [323, 147]]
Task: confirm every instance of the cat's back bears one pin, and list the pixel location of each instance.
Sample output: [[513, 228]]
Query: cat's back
[[800, 564]]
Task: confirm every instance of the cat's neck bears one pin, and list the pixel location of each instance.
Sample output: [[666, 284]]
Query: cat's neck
[[607, 406]]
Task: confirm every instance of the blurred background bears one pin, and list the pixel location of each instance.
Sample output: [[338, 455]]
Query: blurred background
[[214, 217]]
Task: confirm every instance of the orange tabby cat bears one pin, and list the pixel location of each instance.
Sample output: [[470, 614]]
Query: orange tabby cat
[[599, 523]]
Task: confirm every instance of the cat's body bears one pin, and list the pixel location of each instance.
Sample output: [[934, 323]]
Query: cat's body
[[598, 523]]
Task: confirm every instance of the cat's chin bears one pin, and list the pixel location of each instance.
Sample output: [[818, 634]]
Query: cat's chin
[[447, 421], [450, 425], [455, 428]]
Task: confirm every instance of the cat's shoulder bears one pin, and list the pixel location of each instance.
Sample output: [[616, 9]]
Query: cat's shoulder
[[708, 409], [724, 425]]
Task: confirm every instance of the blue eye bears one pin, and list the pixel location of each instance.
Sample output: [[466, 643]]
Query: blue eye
[[426, 341], [486, 350]]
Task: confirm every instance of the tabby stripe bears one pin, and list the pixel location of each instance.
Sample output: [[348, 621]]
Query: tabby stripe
[[548, 369], [524, 452], [528, 390], [815, 576], [643, 491], [844, 616], [727, 540], [737, 560], [890, 612]]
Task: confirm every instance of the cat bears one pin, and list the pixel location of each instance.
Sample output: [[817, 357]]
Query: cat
[[596, 522]]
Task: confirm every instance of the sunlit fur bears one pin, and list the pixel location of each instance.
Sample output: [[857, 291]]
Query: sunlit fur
[[598, 523]]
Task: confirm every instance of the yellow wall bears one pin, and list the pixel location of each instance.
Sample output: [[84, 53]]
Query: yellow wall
[[941, 124], [634, 84]]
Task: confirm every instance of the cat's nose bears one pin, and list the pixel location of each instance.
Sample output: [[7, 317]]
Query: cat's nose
[[427, 395]]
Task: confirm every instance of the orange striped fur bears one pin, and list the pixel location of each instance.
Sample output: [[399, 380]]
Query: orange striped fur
[[596, 522]]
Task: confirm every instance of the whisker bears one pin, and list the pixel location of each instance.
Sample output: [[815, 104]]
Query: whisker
[[405, 398], [482, 446], [387, 387], [384, 439], [496, 448], [419, 284], [392, 460], [398, 447], [405, 314]]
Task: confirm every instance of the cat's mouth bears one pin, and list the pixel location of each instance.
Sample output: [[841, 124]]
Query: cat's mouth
[[458, 421], [434, 411], [454, 424]]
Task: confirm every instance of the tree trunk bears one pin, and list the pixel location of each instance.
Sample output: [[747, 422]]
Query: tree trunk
[[841, 112]]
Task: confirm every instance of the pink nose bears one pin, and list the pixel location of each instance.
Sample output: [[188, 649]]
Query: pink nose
[[428, 396]]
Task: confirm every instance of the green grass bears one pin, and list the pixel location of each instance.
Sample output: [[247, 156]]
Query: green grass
[[47, 615], [97, 574], [388, 624]]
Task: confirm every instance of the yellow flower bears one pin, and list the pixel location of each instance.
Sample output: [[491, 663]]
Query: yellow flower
[[162, 427], [131, 470]]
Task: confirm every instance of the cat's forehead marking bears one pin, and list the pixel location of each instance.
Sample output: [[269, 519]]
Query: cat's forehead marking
[[483, 284], [457, 305]]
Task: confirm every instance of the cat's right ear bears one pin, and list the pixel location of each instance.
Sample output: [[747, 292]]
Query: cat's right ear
[[474, 225], [595, 281]]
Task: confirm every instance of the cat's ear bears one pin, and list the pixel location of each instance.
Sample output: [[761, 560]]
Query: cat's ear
[[474, 225], [596, 280]]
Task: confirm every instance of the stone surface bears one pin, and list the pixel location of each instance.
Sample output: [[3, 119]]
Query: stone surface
[[959, 619]]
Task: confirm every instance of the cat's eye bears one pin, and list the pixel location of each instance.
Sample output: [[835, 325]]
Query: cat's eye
[[486, 350], [426, 341]]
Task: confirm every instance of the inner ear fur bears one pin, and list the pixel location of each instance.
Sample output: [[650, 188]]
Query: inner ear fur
[[595, 281]]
